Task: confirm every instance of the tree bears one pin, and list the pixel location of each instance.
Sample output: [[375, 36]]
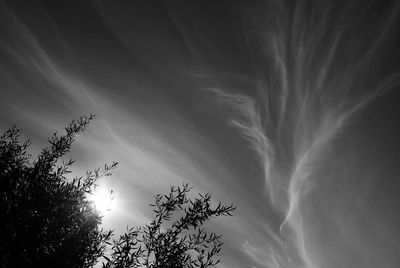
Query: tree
[[48, 220], [183, 243]]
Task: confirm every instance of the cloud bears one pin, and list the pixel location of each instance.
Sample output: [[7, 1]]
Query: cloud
[[304, 102]]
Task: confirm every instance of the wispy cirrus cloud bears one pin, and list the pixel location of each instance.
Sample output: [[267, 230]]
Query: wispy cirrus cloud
[[307, 95]]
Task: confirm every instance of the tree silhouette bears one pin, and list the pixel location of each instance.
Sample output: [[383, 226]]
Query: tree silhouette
[[175, 238], [47, 219]]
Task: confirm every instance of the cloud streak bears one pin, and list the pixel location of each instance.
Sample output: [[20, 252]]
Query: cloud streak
[[156, 150], [306, 97]]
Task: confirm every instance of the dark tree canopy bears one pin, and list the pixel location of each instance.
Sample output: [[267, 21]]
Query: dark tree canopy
[[175, 238], [48, 221]]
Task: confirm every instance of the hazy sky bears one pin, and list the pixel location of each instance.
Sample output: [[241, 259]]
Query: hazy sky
[[288, 109]]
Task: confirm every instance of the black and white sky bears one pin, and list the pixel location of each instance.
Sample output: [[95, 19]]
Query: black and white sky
[[288, 109]]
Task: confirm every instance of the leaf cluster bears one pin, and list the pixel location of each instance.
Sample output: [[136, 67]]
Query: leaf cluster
[[47, 220], [175, 237]]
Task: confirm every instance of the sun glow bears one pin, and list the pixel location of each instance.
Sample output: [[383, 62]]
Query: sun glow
[[104, 200]]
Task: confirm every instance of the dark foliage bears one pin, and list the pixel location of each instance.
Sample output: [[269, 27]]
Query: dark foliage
[[46, 219], [175, 238]]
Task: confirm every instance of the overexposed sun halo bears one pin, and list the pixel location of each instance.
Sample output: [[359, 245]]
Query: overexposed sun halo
[[104, 200]]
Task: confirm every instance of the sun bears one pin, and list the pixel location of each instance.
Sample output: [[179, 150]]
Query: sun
[[104, 200]]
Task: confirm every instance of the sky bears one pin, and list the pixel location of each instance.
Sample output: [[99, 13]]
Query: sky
[[287, 109]]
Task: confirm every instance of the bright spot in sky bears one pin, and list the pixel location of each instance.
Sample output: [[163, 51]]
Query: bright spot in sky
[[104, 200]]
